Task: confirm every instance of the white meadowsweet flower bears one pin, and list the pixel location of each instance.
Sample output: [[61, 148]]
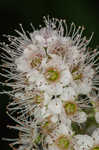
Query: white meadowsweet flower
[[82, 78], [83, 142], [60, 138], [31, 58], [54, 108], [57, 62], [73, 110]]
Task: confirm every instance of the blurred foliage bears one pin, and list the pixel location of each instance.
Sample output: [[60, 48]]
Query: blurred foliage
[[13, 12]]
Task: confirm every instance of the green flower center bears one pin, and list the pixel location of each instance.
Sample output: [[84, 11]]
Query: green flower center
[[76, 74], [52, 74], [96, 148], [36, 61], [70, 108], [63, 143]]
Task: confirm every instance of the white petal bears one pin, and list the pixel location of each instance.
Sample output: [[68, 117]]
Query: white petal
[[29, 50], [35, 76], [63, 129], [52, 39], [54, 89], [44, 112], [54, 118], [82, 87], [21, 148], [68, 94], [95, 136], [22, 64], [53, 147], [64, 119], [40, 39], [66, 77], [55, 107], [47, 98], [97, 117], [80, 117]]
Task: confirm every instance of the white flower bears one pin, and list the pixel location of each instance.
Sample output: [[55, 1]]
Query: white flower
[[82, 78], [61, 133], [73, 111], [83, 142], [79, 117], [97, 117], [95, 136], [30, 58]]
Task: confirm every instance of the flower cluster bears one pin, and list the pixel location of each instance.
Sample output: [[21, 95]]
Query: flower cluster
[[54, 82]]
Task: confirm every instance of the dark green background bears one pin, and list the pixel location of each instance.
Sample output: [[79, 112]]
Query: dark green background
[[13, 12]]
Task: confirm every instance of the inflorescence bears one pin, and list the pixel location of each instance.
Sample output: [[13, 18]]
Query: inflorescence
[[53, 79]]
